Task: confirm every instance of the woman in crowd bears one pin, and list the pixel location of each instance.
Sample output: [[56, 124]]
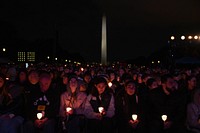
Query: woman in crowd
[[11, 103], [99, 108], [72, 106], [193, 113], [127, 105]]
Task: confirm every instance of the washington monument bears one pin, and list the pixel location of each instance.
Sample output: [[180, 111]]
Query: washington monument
[[103, 42]]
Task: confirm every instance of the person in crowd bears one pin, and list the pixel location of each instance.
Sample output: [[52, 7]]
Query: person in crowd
[[115, 84], [193, 113], [72, 107], [43, 107], [87, 78], [22, 77], [99, 108], [191, 85], [62, 84], [11, 106], [126, 105], [165, 100]]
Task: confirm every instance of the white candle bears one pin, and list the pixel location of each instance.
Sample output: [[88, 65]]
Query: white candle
[[164, 117], [134, 117], [68, 109], [101, 109], [109, 84], [39, 115]]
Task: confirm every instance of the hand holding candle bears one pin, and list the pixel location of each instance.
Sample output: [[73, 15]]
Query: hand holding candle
[[164, 117], [69, 110], [134, 117], [39, 116], [101, 110], [109, 84]]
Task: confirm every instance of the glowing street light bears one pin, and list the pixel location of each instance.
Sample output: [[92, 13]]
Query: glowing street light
[[182, 37], [196, 37], [48, 57], [4, 49], [172, 37], [189, 37]]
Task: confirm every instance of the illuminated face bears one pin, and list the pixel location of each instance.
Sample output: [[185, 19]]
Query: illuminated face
[[170, 83], [130, 89], [73, 84], [112, 76], [192, 82], [154, 85], [101, 87], [65, 80], [45, 83], [22, 76], [87, 78], [33, 77]]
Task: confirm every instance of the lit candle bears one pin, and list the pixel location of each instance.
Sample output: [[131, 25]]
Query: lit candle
[[68, 109], [134, 117], [101, 109], [39, 115], [164, 117], [109, 84]]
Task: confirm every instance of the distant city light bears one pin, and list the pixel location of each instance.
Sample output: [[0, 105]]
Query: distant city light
[[196, 37], [172, 37], [182, 37], [189, 37]]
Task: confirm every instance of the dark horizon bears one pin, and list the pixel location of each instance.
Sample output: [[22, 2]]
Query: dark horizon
[[134, 29]]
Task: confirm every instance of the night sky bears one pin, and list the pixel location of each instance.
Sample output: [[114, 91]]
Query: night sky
[[134, 27]]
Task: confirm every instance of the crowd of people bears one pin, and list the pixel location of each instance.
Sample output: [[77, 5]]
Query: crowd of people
[[102, 99]]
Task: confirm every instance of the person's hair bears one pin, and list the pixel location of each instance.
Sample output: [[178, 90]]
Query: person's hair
[[3, 89], [130, 81], [190, 77], [99, 80], [165, 77], [150, 81]]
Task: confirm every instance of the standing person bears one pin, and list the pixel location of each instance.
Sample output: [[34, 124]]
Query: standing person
[[44, 100], [72, 106], [165, 100], [100, 120], [11, 105], [127, 105], [193, 113]]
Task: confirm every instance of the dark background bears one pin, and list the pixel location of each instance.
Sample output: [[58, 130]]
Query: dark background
[[134, 27]]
